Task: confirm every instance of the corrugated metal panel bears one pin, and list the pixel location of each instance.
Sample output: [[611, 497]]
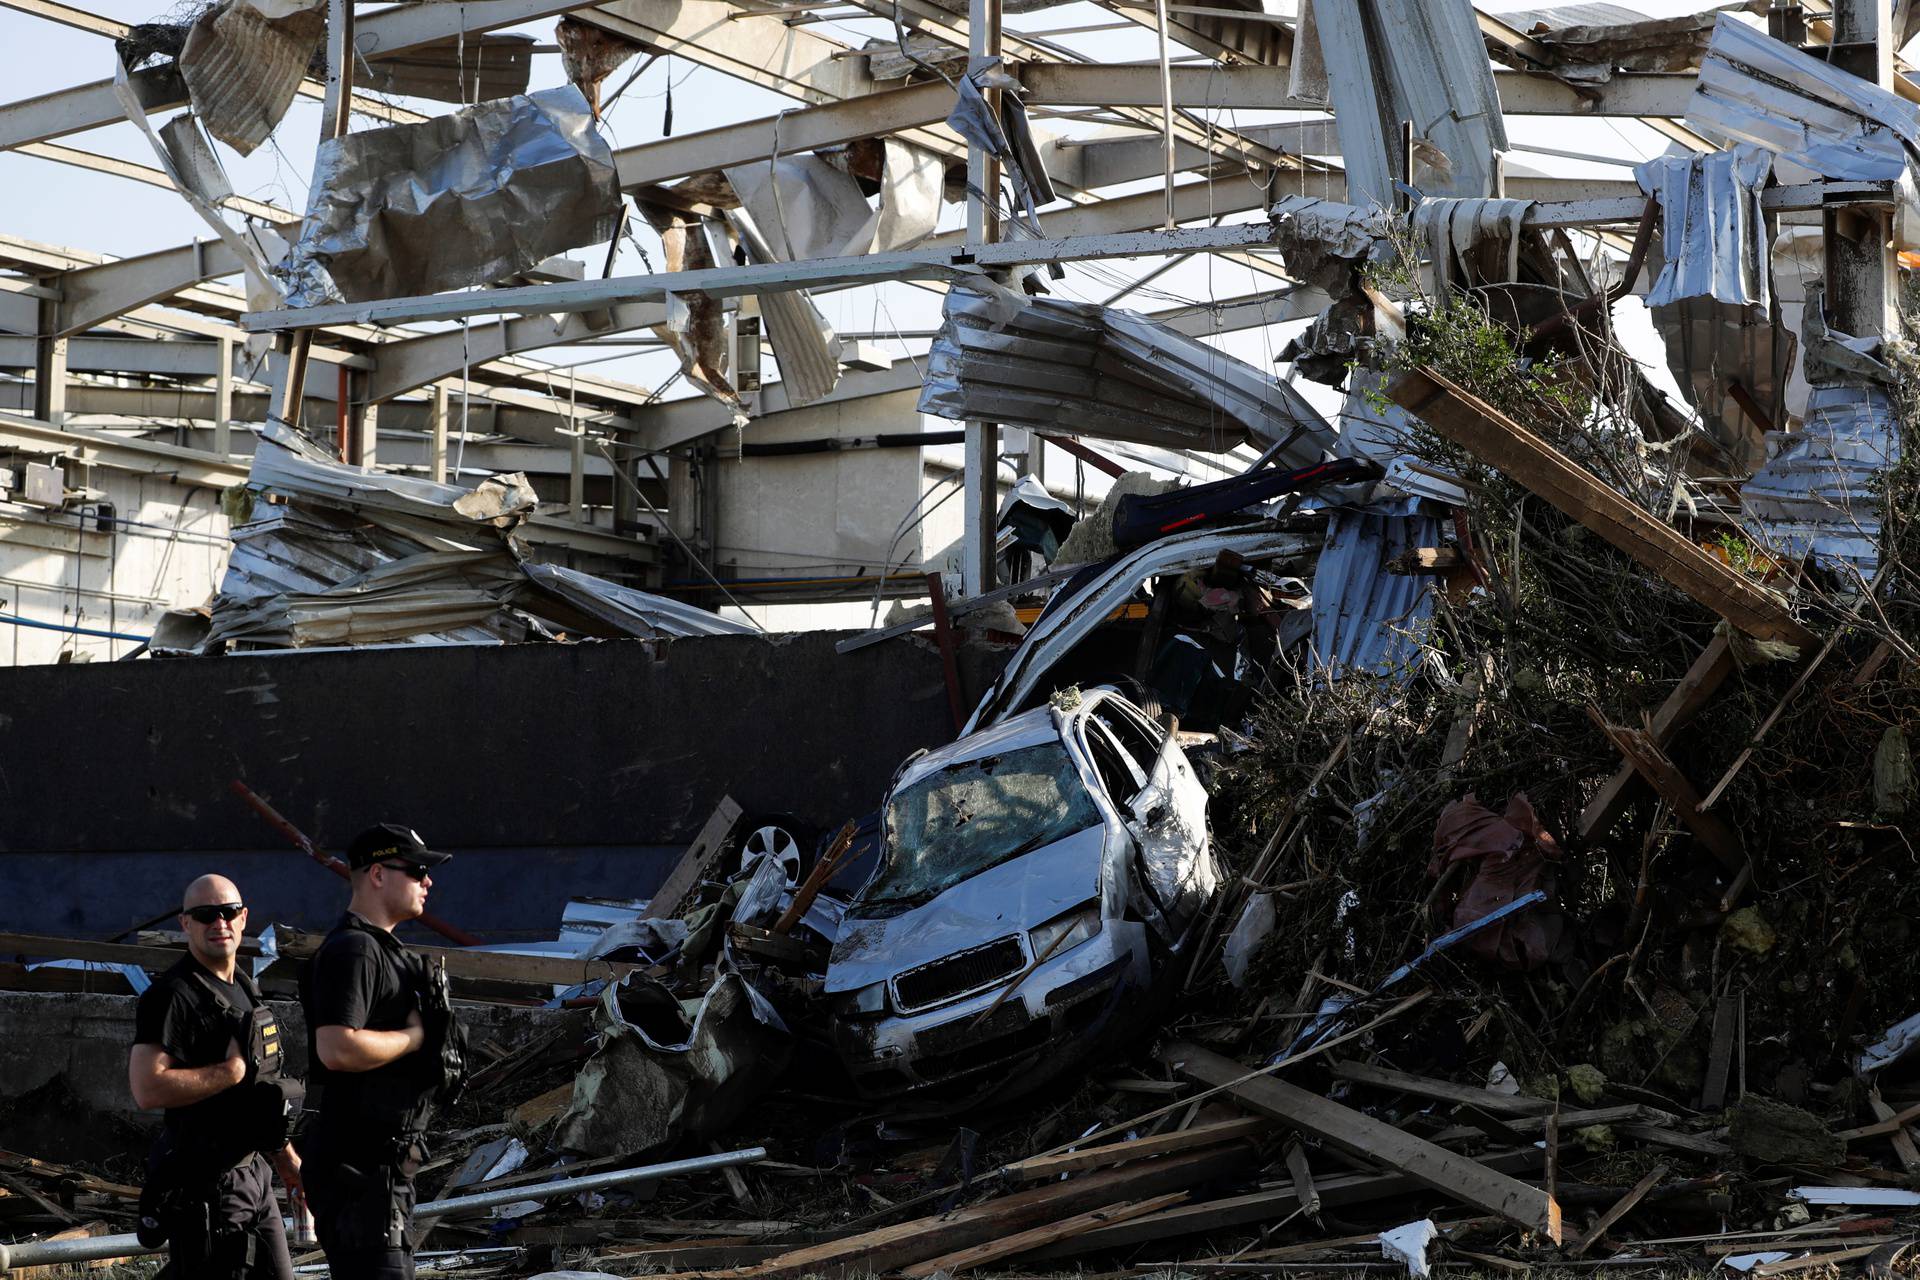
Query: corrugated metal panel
[[1571, 15], [242, 69], [1098, 371], [638, 613], [1364, 618], [1756, 89], [1817, 492], [1418, 60], [1712, 230]]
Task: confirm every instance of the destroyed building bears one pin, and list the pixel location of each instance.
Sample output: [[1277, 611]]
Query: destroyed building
[[1102, 636]]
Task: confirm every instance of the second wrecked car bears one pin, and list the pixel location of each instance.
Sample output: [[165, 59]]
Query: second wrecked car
[[1033, 880]]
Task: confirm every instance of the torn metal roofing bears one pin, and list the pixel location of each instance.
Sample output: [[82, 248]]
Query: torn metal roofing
[[1756, 89], [1818, 494], [1087, 370], [242, 68], [1422, 61], [1712, 229], [636, 613], [462, 199], [1366, 619]]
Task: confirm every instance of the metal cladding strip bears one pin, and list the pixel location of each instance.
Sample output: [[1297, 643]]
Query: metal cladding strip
[[1713, 231], [1756, 89], [1366, 619], [727, 282], [1818, 494], [59, 1252], [1059, 629]]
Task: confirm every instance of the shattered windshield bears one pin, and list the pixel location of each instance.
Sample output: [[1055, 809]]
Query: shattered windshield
[[962, 820]]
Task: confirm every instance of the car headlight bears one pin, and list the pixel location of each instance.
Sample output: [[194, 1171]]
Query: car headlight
[[1065, 932], [868, 1000]]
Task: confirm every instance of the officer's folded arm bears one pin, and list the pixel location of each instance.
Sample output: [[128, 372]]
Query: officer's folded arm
[[363, 1049], [157, 1083]]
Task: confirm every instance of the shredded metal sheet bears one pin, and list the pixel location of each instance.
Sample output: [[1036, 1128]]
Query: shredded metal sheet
[[1364, 618], [1817, 493], [1099, 371], [462, 199], [639, 613], [1756, 89], [1712, 229]]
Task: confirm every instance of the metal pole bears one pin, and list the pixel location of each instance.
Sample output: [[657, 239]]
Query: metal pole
[[95, 1248], [1166, 105], [982, 470]]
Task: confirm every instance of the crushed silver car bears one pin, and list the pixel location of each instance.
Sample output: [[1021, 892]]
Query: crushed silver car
[[1034, 880]]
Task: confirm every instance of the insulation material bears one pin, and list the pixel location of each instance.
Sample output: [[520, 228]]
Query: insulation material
[[1712, 230], [590, 54], [1083, 369], [1422, 61], [474, 69], [463, 199], [1366, 619], [696, 329], [243, 67], [803, 342], [1509, 856], [1589, 54], [1756, 89], [1816, 494]]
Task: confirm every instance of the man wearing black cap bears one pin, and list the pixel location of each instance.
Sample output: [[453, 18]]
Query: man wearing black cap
[[382, 1036]]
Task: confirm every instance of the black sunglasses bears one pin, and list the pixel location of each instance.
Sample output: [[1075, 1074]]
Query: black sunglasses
[[228, 911], [412, 870]]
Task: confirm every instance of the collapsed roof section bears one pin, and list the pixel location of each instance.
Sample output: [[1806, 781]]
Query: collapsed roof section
[[1081, 369]]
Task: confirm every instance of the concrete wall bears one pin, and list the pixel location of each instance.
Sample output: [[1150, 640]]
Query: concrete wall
[[85, 1038], [553, 771], [166, 546]]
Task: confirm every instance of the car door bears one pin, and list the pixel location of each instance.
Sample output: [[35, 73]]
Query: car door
[[1167, 815]]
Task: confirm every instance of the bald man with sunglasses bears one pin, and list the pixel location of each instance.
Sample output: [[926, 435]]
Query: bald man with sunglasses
[[207, 1050], [380, 1031]]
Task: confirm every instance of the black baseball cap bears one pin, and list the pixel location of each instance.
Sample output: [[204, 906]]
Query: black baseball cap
[[390, 840]]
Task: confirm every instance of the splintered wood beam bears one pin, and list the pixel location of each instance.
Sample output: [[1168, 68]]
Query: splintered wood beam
[[1514, 1104], [686, 873], [1665, 777], [1375, 1141], [1038, 1237], [1505, 445], [1621, 1208], [1042, 1168], [1696, 688]]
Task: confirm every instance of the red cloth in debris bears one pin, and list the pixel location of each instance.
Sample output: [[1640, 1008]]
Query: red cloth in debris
[[1513, 855]]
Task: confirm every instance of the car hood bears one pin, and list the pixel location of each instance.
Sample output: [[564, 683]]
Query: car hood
[[1014, 896]]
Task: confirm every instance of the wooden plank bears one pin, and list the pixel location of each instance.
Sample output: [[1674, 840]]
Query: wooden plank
[[1373, 1140], [1660, 772], [1903, 1143], [499, 966], [890, 1248], [1041, 1168], [1506, 1104], [1268, 1205], [1504, 444], [536, 1111], [1037, 1237], [1625, 1113], [1663, 1137], [40, 947], [1302, 1174], [1621, 1208], [1702, 680], [680, 882], [1726, 1019]]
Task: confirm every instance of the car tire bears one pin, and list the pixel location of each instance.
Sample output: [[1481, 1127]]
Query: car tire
[[790, 841]]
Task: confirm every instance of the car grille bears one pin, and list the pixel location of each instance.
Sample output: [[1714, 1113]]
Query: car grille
[[960, 973]]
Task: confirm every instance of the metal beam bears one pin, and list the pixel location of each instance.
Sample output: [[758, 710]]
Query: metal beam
[[772, 277], [400, 367], [153, 177], [380, 34], [93, 294], [191, 466]]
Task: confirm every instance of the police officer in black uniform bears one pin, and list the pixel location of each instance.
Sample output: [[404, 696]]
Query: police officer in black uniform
[[208, 1050], [385, 1052]]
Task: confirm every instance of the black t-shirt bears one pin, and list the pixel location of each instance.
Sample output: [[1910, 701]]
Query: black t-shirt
[[180, 1015], [362, 978]]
